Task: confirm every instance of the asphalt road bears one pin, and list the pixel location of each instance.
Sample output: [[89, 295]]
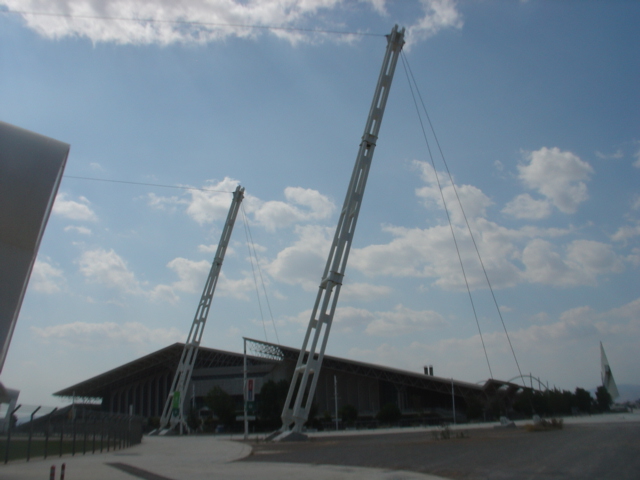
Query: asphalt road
[[585, 452]]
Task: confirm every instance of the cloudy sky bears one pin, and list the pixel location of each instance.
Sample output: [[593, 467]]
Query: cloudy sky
[[168, 106]]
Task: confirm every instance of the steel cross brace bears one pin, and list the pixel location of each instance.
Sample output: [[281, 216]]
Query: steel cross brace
[[296, 411], [173, 412]]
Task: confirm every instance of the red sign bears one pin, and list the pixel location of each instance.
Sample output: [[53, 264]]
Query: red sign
[[250, 390]]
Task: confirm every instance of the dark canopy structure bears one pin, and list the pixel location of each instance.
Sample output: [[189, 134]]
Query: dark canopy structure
[[31, 168], [142, 386]]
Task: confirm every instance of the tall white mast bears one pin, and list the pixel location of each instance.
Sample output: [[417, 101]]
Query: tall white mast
[[607, 376], [296, 412], [173, 412]]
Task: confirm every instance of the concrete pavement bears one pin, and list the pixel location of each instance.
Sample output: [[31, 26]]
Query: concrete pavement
[[210, 457], [187, 458]]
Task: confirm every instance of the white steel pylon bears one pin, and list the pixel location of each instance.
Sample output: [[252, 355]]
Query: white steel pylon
[[607, 376], [296, 412], [173, 412]]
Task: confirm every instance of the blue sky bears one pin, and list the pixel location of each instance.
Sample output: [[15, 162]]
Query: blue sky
[[536, 108]]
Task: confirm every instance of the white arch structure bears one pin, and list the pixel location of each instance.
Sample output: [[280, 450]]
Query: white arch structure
[[541, 384]]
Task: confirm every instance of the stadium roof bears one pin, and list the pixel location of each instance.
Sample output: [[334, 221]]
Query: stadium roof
[[166, 360]]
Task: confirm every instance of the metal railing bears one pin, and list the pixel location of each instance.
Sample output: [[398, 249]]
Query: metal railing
[[69, 431]]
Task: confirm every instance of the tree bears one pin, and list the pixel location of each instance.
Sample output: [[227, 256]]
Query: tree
[[312, 419], [583, 400], [222, 405], [552, 402], [193, 420], [559, 401], [348, 413], [271, 402], [603, 399]]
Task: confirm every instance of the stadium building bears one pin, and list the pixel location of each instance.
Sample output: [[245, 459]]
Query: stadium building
[[142, 386]]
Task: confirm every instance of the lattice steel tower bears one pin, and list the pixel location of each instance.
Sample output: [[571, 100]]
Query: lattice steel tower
[[173, 412], [307, 371]]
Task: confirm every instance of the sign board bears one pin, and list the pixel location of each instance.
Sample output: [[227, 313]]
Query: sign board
[[250, 389], [175, 407], [240, 418]]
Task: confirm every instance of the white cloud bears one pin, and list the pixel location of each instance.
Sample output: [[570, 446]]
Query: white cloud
[[46, 278], [212, 204], [431, 253], [438, 14], [399, 321], [229, 252], [236, 288], [169, 204], [402, 321], [559, 176], [191, 274], [208, 248], [164, 293], [526, 207], [583, 262], [108, 334], [205, 205], [540, 317], [319, 206], [348, 319], [363, 292], [203, 21], [275, 214], [473, 200], [593, 258], [637, 157], [629, 311], [570, 340], [257, 247], [73, 210], [610, 156], [301, 319], [80, 230], [109, 269], [303, 262]]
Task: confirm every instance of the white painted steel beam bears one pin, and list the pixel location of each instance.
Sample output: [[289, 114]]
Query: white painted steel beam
[[306, 373], [31, 167], [173, 413]]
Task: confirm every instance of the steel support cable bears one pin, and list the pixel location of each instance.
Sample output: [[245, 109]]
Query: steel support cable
[[253, 271], [264, 288], [251, 245], [475, 245], [446, 209], [180, 187], [188, 22]]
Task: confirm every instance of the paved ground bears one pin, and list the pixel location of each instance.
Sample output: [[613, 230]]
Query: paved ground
[[587, 449], [188, 458]]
